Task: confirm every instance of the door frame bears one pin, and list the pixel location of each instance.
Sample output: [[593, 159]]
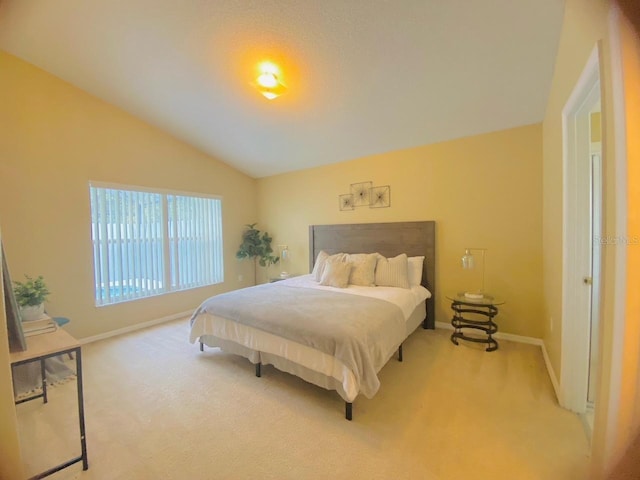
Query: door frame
[[597, 209], [574, 375]]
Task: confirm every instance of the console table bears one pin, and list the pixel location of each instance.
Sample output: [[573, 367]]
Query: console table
[[39, 348], [484, 309]]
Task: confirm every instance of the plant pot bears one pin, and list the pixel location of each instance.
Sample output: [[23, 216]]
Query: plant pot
[[30, 313]]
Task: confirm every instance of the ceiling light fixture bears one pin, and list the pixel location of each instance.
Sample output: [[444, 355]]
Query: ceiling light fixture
[[268, 83]]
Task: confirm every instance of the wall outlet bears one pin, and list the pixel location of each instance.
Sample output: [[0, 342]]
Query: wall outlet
[[240, 278]]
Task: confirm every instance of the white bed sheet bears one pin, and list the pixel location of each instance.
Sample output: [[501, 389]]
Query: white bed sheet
[[406, 299], [209, 328]]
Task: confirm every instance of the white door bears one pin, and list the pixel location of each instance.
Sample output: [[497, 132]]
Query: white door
[[581, 241]]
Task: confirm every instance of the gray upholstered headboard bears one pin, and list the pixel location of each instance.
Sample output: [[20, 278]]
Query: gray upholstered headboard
[[388, 239]]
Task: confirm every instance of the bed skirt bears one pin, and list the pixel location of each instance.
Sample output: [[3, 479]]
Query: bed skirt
[[341, 380]]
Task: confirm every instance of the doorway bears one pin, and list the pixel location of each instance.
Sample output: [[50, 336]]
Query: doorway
[[582, 240]]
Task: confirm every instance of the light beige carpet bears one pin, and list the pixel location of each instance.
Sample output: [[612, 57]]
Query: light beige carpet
[[158, 408]]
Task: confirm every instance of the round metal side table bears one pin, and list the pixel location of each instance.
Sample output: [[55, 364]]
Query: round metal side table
[[483, 309]]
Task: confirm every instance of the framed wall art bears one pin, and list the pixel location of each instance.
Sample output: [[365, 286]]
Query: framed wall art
[[380, 197], [360, 192], [364, 194], [346, 201]]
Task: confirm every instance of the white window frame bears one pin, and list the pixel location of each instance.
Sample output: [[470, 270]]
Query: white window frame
[[170, 279]]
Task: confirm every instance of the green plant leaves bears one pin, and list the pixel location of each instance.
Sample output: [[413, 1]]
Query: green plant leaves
[[32, 292], [256, 244]]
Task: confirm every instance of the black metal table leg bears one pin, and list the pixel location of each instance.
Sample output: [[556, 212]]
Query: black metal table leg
[[348, 410], [488, 326], [44, 380], [83, 439]]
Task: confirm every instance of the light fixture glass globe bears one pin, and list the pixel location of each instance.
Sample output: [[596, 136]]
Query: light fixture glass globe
[[268, 83], [267, 80]]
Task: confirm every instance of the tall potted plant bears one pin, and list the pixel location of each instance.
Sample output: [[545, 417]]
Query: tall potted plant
[[30, 296], [256, 245]]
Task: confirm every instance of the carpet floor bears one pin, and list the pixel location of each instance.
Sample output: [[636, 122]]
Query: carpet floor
[[158, 408]]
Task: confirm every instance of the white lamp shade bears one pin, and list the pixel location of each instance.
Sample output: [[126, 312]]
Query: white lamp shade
[[284, 260], [468, 261]]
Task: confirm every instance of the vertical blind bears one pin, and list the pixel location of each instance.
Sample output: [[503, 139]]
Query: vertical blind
[[149, 243], [194, 226]]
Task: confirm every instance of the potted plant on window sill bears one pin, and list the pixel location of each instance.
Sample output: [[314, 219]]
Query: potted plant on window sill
[[30, 296], [256, 245]]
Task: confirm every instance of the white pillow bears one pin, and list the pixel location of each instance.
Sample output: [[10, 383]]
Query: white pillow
[[363, 271], [415, 271], [336, 274], [392, 272], [321, 260]]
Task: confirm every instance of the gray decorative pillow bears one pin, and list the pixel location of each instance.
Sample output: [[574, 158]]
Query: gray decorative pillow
[[363, 271], [336, 274], [392, 272]]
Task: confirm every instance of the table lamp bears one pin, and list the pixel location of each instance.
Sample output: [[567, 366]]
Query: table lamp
[[469, 263], [284, 260]]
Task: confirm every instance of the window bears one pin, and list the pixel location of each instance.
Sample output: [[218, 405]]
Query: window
[[149, 242]]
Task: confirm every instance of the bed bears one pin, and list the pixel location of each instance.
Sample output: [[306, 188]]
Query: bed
[[283, 324]]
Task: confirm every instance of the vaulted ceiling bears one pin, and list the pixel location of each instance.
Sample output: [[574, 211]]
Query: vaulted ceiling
[[363, 76]]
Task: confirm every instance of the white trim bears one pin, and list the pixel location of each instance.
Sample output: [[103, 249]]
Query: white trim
[[576, 297], [518, 338], [500, 335], [552, 373], [586, 419], [133, 328], [444, 325]]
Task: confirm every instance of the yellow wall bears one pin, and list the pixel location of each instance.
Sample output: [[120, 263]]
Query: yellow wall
[[483, 191], [595, 124], [54, 139]]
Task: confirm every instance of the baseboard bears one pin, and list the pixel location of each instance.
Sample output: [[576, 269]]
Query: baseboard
[[522, 339], [133, 328], [552, 374], [500, 335], [444, 325]]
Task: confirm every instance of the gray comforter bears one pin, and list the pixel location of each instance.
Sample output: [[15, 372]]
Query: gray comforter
[[356, 330]]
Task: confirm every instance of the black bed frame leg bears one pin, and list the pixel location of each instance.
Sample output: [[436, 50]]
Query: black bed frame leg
[[258, 370], [400, 353], [348, 410], [201, 347]]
